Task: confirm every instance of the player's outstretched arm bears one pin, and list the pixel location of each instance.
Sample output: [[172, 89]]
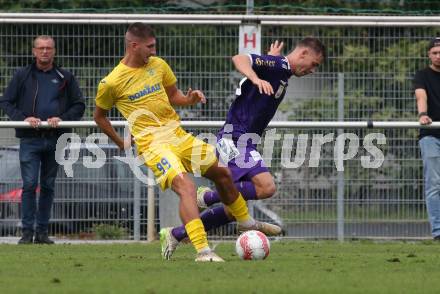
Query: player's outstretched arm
[[243, 64], [100, 117], [176, 97], [276, 48]]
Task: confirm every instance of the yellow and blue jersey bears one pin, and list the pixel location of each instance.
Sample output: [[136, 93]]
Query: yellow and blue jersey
[[139, 95]]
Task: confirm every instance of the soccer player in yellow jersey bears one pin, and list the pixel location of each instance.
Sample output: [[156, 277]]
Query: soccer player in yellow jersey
[[143, 88]]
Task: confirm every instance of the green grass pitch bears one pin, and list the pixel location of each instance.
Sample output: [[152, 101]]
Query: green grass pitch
[[292, 267]]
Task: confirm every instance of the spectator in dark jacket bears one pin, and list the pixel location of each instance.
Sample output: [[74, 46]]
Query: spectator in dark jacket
[[40, 92]]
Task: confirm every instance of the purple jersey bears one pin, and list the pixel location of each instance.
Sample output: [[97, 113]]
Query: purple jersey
[[251, 111]]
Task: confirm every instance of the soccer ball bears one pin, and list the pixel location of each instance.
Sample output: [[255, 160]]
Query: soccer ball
[[252, 245]]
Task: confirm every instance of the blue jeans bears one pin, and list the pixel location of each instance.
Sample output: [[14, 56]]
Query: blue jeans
[[430, 147], [37, 157]]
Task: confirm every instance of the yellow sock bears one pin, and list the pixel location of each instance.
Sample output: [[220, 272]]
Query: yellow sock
[[239, 209], [197, 234]]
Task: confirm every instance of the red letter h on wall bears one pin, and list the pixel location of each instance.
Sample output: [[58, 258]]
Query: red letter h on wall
[[253, 40]]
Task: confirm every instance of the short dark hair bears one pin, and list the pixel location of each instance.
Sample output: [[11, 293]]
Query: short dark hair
[[315, 44], [434, 43], [141, 30]]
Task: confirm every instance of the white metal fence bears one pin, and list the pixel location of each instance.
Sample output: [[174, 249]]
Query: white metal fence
[[367, 75], [312, 201]]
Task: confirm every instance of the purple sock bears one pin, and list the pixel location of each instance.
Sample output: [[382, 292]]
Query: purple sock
[[247, 189], [179, 233], [212, 218]]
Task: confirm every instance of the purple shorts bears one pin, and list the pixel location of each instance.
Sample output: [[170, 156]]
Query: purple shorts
[[246, 164]]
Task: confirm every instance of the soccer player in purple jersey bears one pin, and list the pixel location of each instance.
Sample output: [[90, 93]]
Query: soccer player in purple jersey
[[257, 99]]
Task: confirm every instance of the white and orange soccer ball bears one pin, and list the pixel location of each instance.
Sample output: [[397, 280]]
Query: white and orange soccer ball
[[252, 245]]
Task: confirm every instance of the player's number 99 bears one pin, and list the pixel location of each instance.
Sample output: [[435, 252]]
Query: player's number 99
[[163, 165]]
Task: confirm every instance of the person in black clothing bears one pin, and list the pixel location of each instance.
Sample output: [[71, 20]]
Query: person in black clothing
[[427, 92], [39, 92]]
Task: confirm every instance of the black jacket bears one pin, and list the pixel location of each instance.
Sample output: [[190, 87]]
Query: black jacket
[[18, 100]]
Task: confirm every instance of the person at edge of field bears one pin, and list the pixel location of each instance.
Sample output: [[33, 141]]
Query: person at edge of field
[[143, 89], [41, 91], [257, 99], [427, 91]]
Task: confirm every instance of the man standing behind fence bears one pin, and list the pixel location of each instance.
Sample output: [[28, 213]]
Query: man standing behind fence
[[427, 91], [40, 92]]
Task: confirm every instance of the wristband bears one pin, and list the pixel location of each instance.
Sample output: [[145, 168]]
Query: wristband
[[422, 114]]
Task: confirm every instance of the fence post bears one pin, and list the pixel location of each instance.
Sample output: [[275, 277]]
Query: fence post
[[151, 232], [136, 209], [340, 175], [249, 7]]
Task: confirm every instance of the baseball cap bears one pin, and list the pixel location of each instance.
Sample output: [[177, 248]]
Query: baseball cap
[[434, 43]]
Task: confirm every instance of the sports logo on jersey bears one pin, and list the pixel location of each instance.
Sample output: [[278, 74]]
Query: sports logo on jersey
[[55, 81], [145, 91], [151, 72], [281, 89], [260, 62]]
